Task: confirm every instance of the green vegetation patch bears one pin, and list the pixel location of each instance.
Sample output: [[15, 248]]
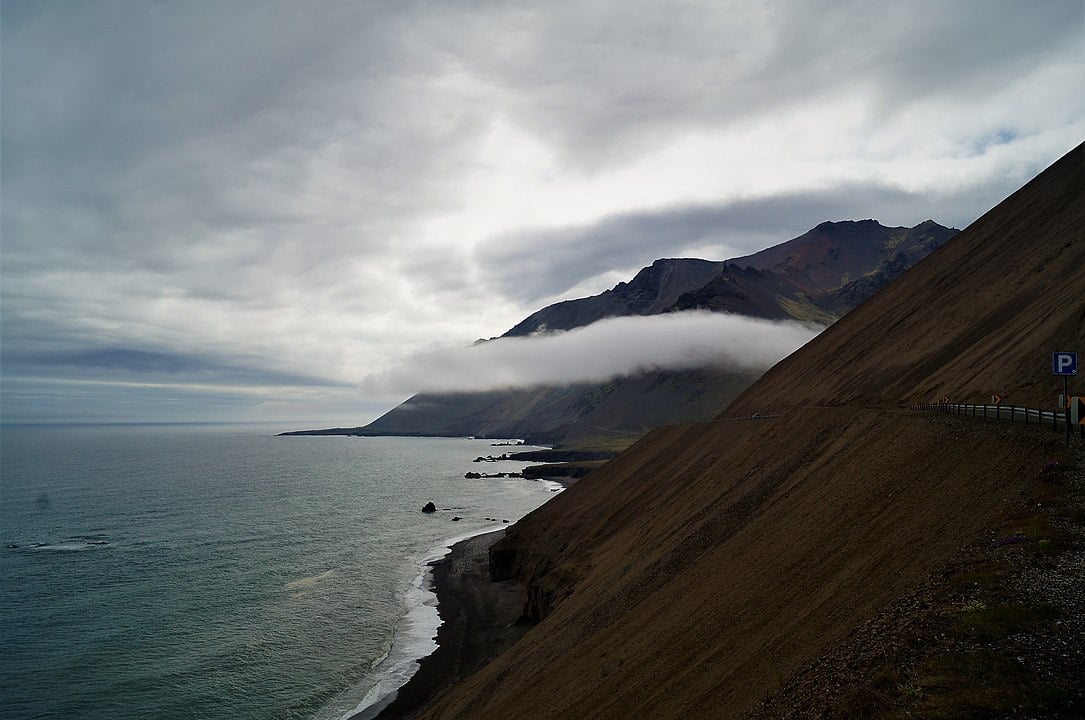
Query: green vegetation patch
[[805, 311], [606, 443], [996, 621]]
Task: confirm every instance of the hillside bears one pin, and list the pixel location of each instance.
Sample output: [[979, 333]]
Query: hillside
[[697, 573], [815, 277]]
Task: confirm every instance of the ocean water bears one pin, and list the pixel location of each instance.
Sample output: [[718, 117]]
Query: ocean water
[[223, 572]]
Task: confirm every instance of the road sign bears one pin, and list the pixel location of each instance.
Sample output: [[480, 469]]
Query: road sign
[[1064, 363], [996, 399]]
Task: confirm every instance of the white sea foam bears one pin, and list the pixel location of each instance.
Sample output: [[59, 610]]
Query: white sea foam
[[66, 546], [552, 485], [415, 635]]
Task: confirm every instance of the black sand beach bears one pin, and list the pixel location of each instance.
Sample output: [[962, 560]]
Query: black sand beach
[[478, 621]]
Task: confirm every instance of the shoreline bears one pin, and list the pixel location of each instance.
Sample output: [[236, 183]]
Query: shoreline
[[478, 622]]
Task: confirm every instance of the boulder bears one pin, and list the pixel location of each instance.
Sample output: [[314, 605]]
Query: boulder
[[429, 507]]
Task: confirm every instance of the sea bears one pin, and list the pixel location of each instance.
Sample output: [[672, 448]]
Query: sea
[[221, 571]]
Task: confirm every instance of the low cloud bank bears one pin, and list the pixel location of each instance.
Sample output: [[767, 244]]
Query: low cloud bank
[[598, 352]]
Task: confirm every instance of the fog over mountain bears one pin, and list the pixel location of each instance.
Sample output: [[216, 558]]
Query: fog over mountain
[[603, 350]]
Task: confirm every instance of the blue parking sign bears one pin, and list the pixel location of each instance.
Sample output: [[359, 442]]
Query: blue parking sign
[[1064, 363]]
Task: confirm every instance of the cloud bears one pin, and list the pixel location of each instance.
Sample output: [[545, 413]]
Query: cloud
[[595, 353], [552, 261], [540, 265], [313, 192], [602, 82]]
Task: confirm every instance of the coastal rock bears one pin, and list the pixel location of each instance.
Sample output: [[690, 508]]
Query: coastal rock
[[456, 519], [472, 475], [429, 507]]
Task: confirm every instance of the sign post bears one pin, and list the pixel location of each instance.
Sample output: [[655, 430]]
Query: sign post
[[1077, 413], [1065, 364]]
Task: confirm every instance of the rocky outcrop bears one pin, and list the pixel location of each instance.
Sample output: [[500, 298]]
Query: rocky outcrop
[[562, 471], [545, 583]]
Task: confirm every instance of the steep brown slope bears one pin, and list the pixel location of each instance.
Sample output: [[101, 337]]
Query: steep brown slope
[[692, 581], [697, 572]]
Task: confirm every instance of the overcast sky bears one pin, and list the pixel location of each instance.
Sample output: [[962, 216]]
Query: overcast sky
[[279, 210]]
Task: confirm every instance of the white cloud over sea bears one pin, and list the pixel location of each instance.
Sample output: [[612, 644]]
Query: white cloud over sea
[[241, 209], [605, 349]]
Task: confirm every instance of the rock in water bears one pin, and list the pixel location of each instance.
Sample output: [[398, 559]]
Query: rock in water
[[429, 507]]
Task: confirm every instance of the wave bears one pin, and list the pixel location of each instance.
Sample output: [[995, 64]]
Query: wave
[[73, 544], [414, 636]]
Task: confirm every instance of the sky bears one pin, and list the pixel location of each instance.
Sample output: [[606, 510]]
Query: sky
[[305, 212]]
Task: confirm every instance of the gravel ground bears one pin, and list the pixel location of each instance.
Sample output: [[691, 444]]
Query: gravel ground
[[999, 633]]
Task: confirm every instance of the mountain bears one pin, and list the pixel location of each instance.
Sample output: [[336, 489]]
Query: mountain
[[624, 406], [836, 253], [651, 291], [710, 568], [785, 282], [819, 275], [815, 277]]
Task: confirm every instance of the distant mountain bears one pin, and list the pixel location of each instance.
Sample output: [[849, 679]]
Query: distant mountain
[[625, 406], [836, 253], [817, 277]]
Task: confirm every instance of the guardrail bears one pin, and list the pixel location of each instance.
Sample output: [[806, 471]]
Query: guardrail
[[1053, 419]]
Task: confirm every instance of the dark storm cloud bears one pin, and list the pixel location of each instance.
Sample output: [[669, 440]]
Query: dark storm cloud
[[550, 262], [100, 363]]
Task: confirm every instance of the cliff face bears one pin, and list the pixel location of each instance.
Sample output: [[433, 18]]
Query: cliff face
[[694, 574]]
